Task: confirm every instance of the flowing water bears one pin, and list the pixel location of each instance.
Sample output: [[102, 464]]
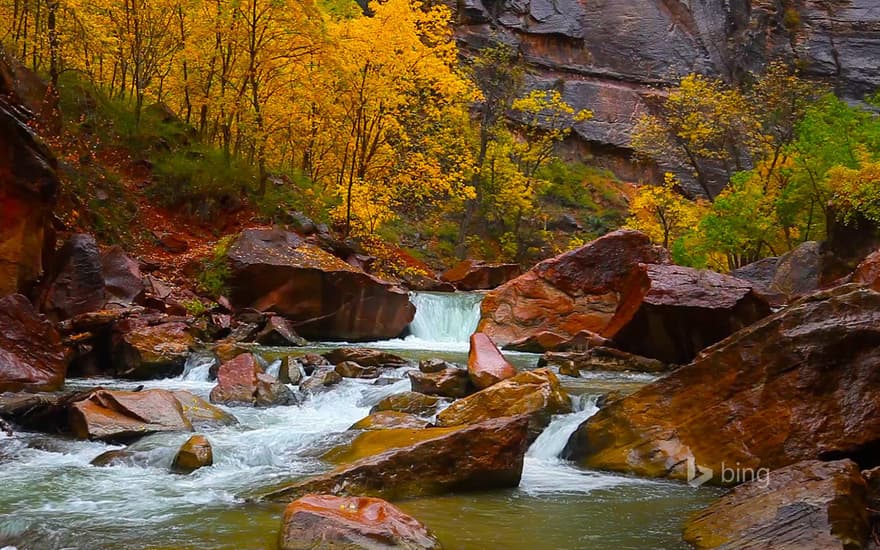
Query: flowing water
[[51, 497]]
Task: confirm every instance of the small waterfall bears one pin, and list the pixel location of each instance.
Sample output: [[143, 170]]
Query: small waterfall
[[447, 317], [552, 440], [198, 367]]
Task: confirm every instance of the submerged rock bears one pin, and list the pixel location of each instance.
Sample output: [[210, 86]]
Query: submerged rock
[[327, 521], [350, 369], [799, 385], [484, 456], [383, 420], [452, 382], [478, 275], [195, 453], [122, 415], [242, 382], [806, 505], [486, 365], [324, 296], [576, 291], [535, 394], [670, 313], [31, 355]]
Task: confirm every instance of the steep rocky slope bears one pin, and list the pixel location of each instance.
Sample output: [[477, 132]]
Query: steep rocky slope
[[612, 55]]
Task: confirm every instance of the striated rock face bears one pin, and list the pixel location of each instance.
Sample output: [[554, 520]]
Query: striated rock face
[[610, 56], [801, 384], [31, 355], [573, 292], [868, 272], [327, 521], [277, 271], [670, 313], [484, 456], [807, 505]]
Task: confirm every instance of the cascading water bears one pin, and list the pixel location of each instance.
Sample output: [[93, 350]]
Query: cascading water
[[444, 317]]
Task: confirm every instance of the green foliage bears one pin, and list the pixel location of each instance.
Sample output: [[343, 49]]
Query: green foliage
[[196, 307], [213, 279]]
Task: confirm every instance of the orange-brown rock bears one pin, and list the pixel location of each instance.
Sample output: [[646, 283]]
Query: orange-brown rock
[[383, 420], [536, 394], [325, 297], [195, 453], [477, 275], [409, 402], [670, 313], [801, 384], [375, 442], [327, 521], [31, 355], [28, 192], [807, 505], [602, 359], [242, 381], [550, 341], [573, 292], [123, 415], [152, 351], [200, 413], [350, 369], [451, 382], [868, 272], [486, 365], [483, 456]]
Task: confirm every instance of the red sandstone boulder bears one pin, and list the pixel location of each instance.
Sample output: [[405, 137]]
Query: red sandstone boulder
[[807, 505], [409, 402], [195, 453], [868, 272], [31, 355], [76, 284], [801, 384], [452, 382], [483, 456], [364, 357], [486, 365], [327, 521], [123, 282], [350, 369], [477, 275], [123, 416], [535, 394], [242, 381], [144, 351], [670, 313], [325, 297], [573, 292], [384, 420]]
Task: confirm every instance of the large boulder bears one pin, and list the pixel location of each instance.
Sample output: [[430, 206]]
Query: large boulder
[[477, 275], [327, 521], [576, 291], [28, 192], [144, 351], [536, 394], [602, 359], [409, 402], [807, 505], [382, 420], [121, 416], [325, 297], [788, 277], [801, 384], [486, 365], [123, 281], [670, 313], [76, 284], [243, 382], [32, 357], [484, 456]]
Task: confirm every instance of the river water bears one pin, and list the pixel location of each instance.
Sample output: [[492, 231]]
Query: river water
[[51, 497]]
